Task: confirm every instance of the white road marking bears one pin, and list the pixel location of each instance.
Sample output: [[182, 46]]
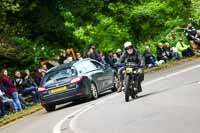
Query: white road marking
[[76, 114], [171, 75]]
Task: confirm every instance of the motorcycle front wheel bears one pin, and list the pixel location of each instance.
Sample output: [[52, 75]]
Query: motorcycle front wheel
[[127, 88]]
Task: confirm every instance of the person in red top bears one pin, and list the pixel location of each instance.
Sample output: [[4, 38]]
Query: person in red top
[[11, 90]]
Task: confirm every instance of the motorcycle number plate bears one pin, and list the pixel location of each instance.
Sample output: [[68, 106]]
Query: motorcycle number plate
[[129, 70]]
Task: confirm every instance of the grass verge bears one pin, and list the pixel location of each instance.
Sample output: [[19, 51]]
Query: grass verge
[[18, 115]]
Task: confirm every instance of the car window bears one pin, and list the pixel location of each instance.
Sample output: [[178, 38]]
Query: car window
[[58, 75], [84, 67], [98, 65]]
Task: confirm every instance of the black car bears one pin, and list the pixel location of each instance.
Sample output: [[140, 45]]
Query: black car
[[84, 79]]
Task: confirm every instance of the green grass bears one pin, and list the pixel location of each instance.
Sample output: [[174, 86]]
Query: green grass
[[15, 116]]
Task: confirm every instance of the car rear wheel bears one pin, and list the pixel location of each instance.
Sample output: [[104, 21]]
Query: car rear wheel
[[50, 108], [93, 91]]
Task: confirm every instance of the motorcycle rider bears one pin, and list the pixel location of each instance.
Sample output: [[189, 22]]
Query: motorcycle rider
[[132, 55]]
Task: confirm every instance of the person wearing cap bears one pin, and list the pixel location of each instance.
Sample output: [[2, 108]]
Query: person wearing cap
[[132, 55], [93, 53], [150, 60], [117, 56], [183, 49]]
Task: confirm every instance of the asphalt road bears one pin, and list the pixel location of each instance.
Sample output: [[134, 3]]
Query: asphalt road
[[169, 103]]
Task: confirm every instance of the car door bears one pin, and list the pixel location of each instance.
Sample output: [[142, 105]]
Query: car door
[[92, 72], [106, 75]]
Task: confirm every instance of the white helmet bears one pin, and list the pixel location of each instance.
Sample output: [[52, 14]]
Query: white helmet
[[127, 44]]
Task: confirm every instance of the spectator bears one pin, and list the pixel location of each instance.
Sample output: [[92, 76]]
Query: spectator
[[110, 59], [11, 90], [183, 49], [102, 56], [78, 56], [171, 52], [117, 56], [150, 59], [62, 57], [18, 80], [68, 53], [167, 49], [190, 32], [161, 55], [197, 39], [29, 86], [39, 73], [5, 101], [93, 54]]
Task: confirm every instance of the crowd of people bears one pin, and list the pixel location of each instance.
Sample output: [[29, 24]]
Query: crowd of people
[[12, 90]]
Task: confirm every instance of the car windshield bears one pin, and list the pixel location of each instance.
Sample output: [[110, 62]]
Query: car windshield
[[53, 76]]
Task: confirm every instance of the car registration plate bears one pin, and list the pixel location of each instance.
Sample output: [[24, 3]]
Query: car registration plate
[[59, 89], [129, 70]]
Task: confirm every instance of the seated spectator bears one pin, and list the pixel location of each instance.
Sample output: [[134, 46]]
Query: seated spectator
[[93, 54], [161, 55], [18, 80], [175, 54], [29, 86], [171, 53], [183, 49], [11, 89], [5, 101], [150, 59], [78, 56]]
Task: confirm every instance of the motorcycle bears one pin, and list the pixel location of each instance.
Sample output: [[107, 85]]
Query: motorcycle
[[130, 89]]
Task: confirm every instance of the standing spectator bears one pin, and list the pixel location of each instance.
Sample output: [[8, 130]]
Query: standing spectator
[[150, 59], [11, 90], [161, 55], [39, 73], [93, 54], [183, 49], [68, 53], [110, 59], [102, 56], [117, 56], [29, 86], [197, 39], [190, 32]]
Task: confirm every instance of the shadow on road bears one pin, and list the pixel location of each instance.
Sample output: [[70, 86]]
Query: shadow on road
[[151, 94], [71, 104]]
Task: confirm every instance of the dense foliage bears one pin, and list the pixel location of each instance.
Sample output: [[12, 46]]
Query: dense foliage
[[32, 29]]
